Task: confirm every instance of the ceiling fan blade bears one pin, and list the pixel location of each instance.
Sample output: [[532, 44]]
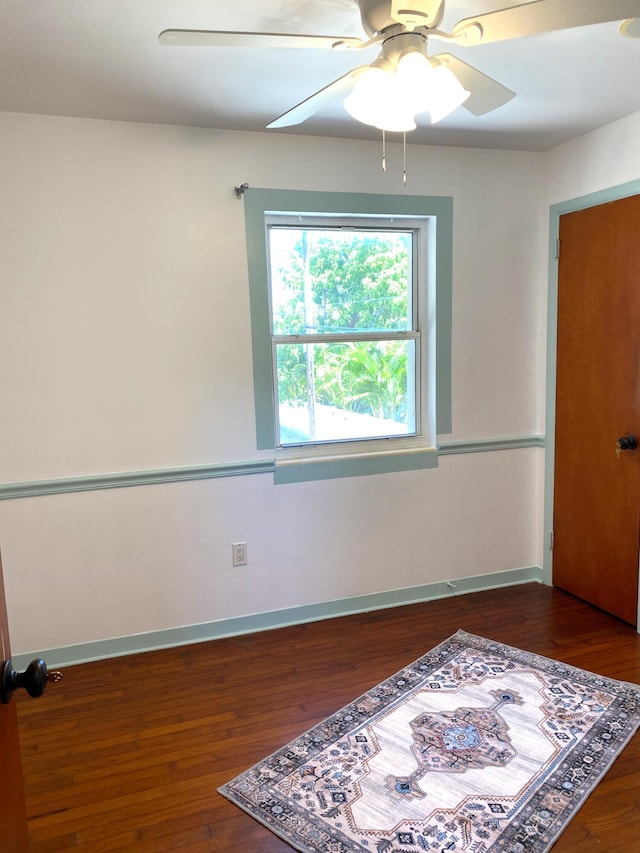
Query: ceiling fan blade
[[311, 105], [542, 16], [486, 93], [224, 38]]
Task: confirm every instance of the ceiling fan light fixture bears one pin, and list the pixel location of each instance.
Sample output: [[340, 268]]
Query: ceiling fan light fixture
[[396, 121], [379, 107], [374, 101], [414, 81], [447, 93], [402, 83], [371, 89]]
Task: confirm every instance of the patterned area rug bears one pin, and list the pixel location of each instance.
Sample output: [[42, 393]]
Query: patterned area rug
[[475, 747]]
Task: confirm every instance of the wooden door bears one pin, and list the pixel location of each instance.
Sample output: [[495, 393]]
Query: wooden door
[[597, 491], [13, 819]]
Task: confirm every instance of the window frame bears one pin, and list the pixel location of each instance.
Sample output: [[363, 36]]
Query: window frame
[[362, 456]]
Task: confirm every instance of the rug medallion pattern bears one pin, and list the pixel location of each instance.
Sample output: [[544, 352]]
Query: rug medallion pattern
[[474, 747]]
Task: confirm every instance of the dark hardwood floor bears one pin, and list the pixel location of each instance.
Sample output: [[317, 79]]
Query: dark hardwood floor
[[127, 754]]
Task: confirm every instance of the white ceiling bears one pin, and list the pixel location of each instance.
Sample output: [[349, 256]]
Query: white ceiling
[[101, 59]]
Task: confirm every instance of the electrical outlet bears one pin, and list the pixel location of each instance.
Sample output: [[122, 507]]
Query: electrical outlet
[[239, 553]]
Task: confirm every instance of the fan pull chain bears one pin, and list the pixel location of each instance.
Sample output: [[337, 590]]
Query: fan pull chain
[[404, 159], [404, 156]]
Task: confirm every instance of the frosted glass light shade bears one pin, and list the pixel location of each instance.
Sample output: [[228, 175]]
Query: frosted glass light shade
[[415, 81], [375, 101], [447, 93]]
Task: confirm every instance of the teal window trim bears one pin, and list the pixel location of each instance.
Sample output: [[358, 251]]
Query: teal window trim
[[259, 202]]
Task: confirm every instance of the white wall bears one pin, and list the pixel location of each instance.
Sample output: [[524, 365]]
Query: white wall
[[605, 158], [125, 346]]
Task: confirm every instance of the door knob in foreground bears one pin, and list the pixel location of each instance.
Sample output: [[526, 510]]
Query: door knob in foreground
[[34, 679]]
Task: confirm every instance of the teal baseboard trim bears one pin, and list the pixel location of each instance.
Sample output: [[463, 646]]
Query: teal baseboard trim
[[126, 479], [10, 491], [486, 445], [172, 637]]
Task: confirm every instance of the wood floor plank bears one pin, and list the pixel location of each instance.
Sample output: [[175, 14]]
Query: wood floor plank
[[127, 754]]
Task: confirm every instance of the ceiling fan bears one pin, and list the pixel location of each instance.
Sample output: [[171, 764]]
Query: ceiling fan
[[403, 80]]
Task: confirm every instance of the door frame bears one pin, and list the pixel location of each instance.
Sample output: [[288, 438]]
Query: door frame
[[13, 816], [555, 212]]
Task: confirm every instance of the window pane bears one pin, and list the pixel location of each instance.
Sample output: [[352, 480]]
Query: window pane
[[341, 391], [328, 281]]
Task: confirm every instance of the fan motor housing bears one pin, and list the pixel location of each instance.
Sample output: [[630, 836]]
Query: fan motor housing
[[378, 15]]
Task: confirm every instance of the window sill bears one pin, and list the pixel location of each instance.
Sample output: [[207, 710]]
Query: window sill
[[326, 466]]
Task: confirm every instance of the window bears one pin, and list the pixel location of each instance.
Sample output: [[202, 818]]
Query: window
[[346, 294], [345, 328]]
